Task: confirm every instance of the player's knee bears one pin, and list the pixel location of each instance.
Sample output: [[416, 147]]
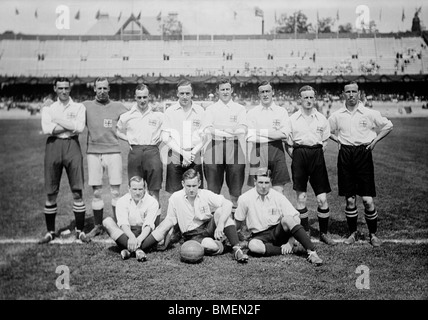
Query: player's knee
[[322, 200], [368, 203], [301, 197], [289, 222], [257, 246], [351, 202], [108, 223], [77, 196], [51, 199]]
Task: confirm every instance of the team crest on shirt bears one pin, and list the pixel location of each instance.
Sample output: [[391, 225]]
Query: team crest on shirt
[[276, 123], [363, 123], [233, 118], [108, 123], [320, 130], [204, 210], [153, 123], [71, 115], [196, 123]]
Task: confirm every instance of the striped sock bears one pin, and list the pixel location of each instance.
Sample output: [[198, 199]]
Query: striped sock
[[352, 218], [50, 214], [371, 220], [304, 218], [79, 211], [323, 217]]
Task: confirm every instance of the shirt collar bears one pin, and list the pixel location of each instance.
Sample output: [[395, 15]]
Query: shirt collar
[[360, 107], [314, 113], [179, 106], [136, 109], [70, 101], [271, 107], [259, 197], [131, 201]]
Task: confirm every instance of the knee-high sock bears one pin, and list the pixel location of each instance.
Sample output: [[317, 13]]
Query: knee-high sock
[[50, 214], [304, 218], [323, 217], [371, 220], [231, 234], [149, 242], [300, 235], [79, 211], [352, 218], [272, 250]]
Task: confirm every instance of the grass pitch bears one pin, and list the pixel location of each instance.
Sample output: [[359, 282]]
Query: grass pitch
[[396, 270]]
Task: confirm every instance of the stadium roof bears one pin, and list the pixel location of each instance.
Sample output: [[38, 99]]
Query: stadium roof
[[109, 26]]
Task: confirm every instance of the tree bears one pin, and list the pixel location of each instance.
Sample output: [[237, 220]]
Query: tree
[[373, 27], [345, 28], [172, 26], [325, 24], [298, 22]]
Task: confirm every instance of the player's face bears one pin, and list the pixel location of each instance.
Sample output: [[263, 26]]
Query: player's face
[[101, 90], [142, 97], [191, 187], [62, 90], [352, 95], [137, 190], [265, 95], [308, 99], [225, 91], [263, 185], [185, 94]]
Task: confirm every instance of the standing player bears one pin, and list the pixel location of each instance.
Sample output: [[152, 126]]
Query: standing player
[[267, 127], [202, 216], [273, 221], [181, 132], [62, 121], [103, 149], [137, 212], [307, 142], [141, 128], [354, 128], [225, 121]]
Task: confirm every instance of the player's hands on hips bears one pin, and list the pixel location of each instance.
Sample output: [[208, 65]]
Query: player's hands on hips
[[132, 244]]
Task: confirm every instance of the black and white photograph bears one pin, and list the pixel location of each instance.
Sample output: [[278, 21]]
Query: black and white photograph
[[214, 158]]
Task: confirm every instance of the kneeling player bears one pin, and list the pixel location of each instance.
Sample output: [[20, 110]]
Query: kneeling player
[[137, 214], [273, 221], [201, 215]]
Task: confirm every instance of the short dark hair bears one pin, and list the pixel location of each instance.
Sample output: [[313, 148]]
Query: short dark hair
[[136, 179], [307, 88], [100, 79], [351, 83], [191, 174], [223, 80], [183, 83], [61, 79], [141, 87], [263, 172]]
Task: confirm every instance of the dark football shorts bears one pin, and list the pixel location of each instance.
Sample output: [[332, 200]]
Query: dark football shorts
[[355, 171], [275, 235], [59, 154], [224, 157], [309, 165], [271, 156], [174, 172], [144, 161], [206, 230]]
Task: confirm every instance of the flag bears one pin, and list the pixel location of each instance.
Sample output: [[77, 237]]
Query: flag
[[403, 16], [159, 16], [120, 16], [35, 14], [380, 14], [139, 16], [258, 12], [98, 14], [77, 16], [16, 11]]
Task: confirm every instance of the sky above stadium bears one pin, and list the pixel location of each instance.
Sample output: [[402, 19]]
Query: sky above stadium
[[205, 16]]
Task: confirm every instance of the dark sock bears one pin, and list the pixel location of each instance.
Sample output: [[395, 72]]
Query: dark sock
[[304, 218], [231, 234], [272, 250], [113, 208], [371, 220], [149, 242], [352, 218], [98, 216], [323, 217], [50, 214], [300, 235], [79, 211], [122, 241]]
